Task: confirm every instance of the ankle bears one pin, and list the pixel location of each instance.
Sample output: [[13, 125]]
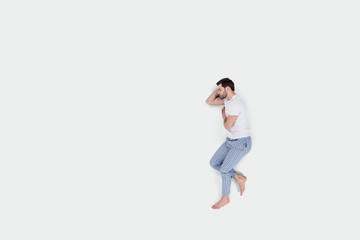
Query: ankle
[[238, 176], [225, 197]]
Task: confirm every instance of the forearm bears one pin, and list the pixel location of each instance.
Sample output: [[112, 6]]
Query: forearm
[[228, 123], [225, 121], [212, 96]]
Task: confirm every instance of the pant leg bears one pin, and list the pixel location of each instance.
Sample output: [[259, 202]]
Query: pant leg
[[236, 153], [219, 156]]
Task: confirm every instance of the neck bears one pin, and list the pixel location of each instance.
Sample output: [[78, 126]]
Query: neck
[[230, 95]]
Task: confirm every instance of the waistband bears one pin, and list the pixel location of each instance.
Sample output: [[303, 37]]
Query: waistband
[[235, 139], [229, 139]]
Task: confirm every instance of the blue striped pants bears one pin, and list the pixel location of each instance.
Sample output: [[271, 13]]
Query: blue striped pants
[[227, 156]]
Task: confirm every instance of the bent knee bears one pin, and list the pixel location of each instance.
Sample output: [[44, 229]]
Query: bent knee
[[212, 164], [224, 170]]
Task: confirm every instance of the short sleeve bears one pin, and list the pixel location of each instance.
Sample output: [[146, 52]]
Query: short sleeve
[[234, 109]]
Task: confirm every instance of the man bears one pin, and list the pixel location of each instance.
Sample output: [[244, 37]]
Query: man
[[238, 142]]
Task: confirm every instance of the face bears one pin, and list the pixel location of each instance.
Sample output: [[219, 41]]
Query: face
[[221, 92]]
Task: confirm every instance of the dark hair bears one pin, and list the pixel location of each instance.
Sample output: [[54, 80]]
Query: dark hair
[[226, 82]]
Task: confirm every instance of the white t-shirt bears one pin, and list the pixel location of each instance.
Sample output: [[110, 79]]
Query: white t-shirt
[[236, 106]]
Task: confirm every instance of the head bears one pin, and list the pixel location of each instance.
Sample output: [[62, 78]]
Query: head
[[225, 87]]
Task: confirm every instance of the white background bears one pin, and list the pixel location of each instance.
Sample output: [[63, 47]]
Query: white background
[[105, 133]]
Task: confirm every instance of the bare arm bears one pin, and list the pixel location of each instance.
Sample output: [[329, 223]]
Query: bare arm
[[214, 99], [229, 121]]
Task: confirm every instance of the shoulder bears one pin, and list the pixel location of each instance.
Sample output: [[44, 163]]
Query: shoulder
[[236, 104], [238, 100]]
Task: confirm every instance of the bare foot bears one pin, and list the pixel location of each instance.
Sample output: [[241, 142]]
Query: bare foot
[[223, 201], [241, 181]]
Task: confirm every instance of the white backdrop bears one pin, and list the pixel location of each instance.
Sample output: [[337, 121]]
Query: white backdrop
[[105, 133]]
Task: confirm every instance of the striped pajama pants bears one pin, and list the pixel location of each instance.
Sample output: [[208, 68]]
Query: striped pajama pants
[[227, 156]]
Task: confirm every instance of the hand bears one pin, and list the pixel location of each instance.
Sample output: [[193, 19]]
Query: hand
[[223, 113]]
